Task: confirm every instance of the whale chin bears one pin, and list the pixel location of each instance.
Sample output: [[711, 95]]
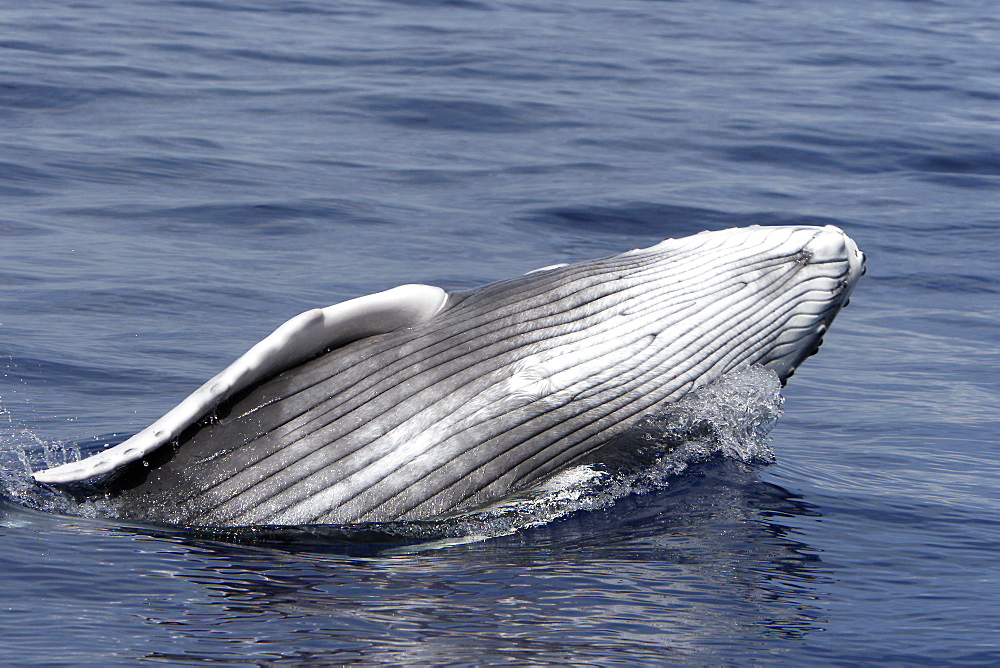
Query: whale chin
[[414, 402]]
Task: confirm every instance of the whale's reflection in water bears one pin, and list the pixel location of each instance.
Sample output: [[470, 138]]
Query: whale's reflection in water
[[711, 560]]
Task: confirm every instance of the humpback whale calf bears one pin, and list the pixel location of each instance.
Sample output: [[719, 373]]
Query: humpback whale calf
[[413, 403]]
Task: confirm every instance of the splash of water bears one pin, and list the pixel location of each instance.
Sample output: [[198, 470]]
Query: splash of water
[[21, 452]]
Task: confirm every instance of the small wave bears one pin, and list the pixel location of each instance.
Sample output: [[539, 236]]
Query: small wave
[[730, 419], [460, 115]]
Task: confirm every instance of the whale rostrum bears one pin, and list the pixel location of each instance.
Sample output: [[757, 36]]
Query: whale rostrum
[[414, 402]]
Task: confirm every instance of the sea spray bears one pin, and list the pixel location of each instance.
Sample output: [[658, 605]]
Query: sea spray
[[21, 452]]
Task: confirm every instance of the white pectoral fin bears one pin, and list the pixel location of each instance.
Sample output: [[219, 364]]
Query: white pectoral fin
[[297, 340]]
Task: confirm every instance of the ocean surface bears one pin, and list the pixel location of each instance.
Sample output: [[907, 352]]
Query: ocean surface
[[179, 177]]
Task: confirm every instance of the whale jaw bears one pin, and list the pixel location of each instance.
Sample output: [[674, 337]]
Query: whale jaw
[[490, 390]]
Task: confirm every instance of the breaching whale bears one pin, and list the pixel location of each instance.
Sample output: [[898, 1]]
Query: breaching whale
[[414, 402]]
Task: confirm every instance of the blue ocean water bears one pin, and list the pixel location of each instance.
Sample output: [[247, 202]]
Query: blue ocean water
[[177, 178]]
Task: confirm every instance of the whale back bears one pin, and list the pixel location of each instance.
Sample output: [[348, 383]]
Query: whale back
[[503, 386]]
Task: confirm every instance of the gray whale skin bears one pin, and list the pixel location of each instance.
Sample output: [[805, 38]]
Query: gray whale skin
[[414, 402]]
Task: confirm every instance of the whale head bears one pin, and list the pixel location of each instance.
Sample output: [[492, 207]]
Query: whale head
[[832, 265], [762, 295]]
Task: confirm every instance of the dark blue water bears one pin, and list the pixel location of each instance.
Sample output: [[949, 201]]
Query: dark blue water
[[177, 178]]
